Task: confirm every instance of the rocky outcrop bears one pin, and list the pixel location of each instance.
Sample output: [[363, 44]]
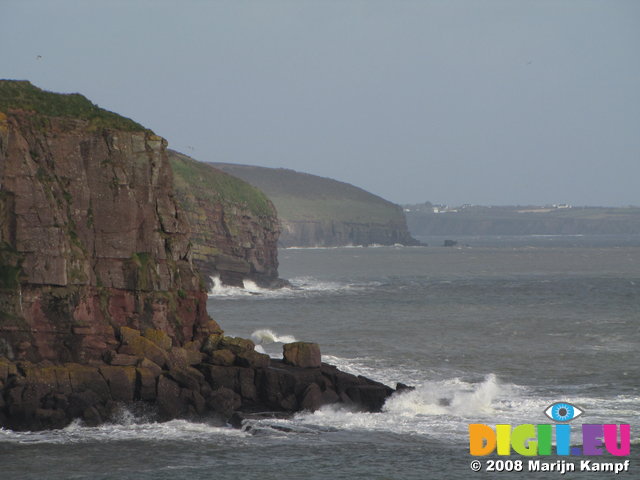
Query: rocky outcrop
[[302, 354], [316, 211], [100, 303], [234, 227], [221, 376], [91, 236]]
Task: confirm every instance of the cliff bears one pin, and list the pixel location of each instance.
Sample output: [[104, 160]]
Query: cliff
[[234, 227], [100, 303], [317, 211], [92, 237]]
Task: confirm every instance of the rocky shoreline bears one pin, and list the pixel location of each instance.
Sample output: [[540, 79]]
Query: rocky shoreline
[[222, 377], [104, 255]]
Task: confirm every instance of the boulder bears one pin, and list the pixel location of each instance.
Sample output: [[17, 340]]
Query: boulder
[[120, 359], [160, 338], [236, 344], [224, 358], [142, 347], [224, 401], [121, 381], [252, 359], [170, 404], [211, 343], [302, 354], [147, 378]]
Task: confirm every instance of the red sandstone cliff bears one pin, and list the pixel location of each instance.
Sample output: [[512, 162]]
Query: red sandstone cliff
[[100, 304], [91, 239], [234, 226]]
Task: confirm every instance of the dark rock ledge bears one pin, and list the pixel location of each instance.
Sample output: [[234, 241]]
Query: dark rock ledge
[[221, 377]]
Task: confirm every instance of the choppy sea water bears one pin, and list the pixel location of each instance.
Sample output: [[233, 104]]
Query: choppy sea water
[[490, 333]]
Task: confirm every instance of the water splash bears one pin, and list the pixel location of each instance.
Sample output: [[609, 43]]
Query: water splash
[[300, 287], [264, 336]]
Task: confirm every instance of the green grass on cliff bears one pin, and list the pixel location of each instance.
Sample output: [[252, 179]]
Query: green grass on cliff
[[301, 196], [22, 95], [193, 179]]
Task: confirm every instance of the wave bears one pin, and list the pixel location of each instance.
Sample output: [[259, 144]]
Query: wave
[[264, 336], [126, 426], [442, 410], [300, 287]]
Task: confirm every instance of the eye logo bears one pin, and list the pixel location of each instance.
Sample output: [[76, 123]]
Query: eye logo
[[563, 412]]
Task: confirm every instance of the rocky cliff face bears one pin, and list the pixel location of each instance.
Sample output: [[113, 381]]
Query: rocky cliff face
[[100, 304], [316, 211], [234, 227], [91, 239], [329, 233]]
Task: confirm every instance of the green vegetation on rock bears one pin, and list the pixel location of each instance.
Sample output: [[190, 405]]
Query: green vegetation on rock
[[22, 95], [300, 196], [196, 178], [318, 211]]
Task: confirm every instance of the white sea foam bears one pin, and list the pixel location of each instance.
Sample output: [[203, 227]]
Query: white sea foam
[[264, 336], [441, 409], [125, 427], [300, 287]]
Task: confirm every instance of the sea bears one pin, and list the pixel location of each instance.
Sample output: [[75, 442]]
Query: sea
[[491, 331]]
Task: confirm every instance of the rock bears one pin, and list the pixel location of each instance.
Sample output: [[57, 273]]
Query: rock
[[234, 239], [371, 397], [122, 360], [236, 344], [224, 401], [218, 376], [211, 343], [224, 358], [94, 235], [251, 358], [85, 378], [121, 381], [246, 382], [401, 387], [302, 354], [152, 366], [144, 348], [92, 417], [127, 335], [170, 405], [312, 398], [160, 338], [187, 377], [147, 380]]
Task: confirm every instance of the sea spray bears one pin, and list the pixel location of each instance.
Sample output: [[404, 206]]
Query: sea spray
[[133, 428], [265, 336], [300, 287]]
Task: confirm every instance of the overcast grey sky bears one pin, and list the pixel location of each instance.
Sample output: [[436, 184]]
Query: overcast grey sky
[[468, 101]]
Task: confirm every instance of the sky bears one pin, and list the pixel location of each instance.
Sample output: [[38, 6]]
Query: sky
[[491, 102]]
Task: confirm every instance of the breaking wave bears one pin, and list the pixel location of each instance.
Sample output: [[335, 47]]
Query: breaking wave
[[264, 336], [300, 287], [126, 426]]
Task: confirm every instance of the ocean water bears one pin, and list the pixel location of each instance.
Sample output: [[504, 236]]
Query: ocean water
[[493, 332]]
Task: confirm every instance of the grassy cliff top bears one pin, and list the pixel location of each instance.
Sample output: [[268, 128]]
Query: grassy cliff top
[[196, 179], [22, 95], [301, 196]]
